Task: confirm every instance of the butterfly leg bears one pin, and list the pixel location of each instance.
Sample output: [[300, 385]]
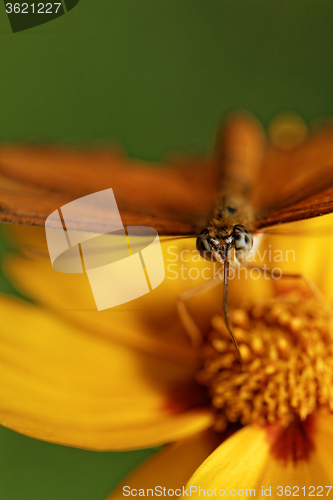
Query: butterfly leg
[[186, 319], [310, 284]]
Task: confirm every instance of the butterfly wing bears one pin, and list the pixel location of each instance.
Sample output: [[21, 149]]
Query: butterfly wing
[[298, 184], [172, 198]]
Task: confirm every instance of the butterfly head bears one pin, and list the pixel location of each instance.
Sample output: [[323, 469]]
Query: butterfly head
[[217, 244]]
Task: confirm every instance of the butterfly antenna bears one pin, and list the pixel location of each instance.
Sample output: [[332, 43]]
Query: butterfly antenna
[[226, 312]]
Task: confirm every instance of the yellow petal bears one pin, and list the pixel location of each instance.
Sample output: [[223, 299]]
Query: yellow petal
[[149, 323], [266, 459], [323, 443], [62, 385], [236, 463], [303, 247], [171, 467]]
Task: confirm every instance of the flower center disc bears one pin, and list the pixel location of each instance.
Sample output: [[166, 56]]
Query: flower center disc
[[287, 346]]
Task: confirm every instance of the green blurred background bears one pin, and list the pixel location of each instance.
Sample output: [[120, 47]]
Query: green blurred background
[[154, 77]]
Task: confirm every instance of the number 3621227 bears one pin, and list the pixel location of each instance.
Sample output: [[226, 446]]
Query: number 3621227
[[33, 8]]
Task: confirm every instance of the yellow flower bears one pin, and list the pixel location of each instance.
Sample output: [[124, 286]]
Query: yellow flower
[[128, 378]]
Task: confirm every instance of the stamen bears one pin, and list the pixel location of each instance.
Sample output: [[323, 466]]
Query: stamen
[[287, 347]]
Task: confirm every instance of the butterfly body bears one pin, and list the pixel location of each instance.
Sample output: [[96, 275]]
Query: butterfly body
[[238, 160], [228, 236]]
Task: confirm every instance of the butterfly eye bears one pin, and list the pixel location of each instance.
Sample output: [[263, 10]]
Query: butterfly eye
[[203, 246], [243, 241]]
